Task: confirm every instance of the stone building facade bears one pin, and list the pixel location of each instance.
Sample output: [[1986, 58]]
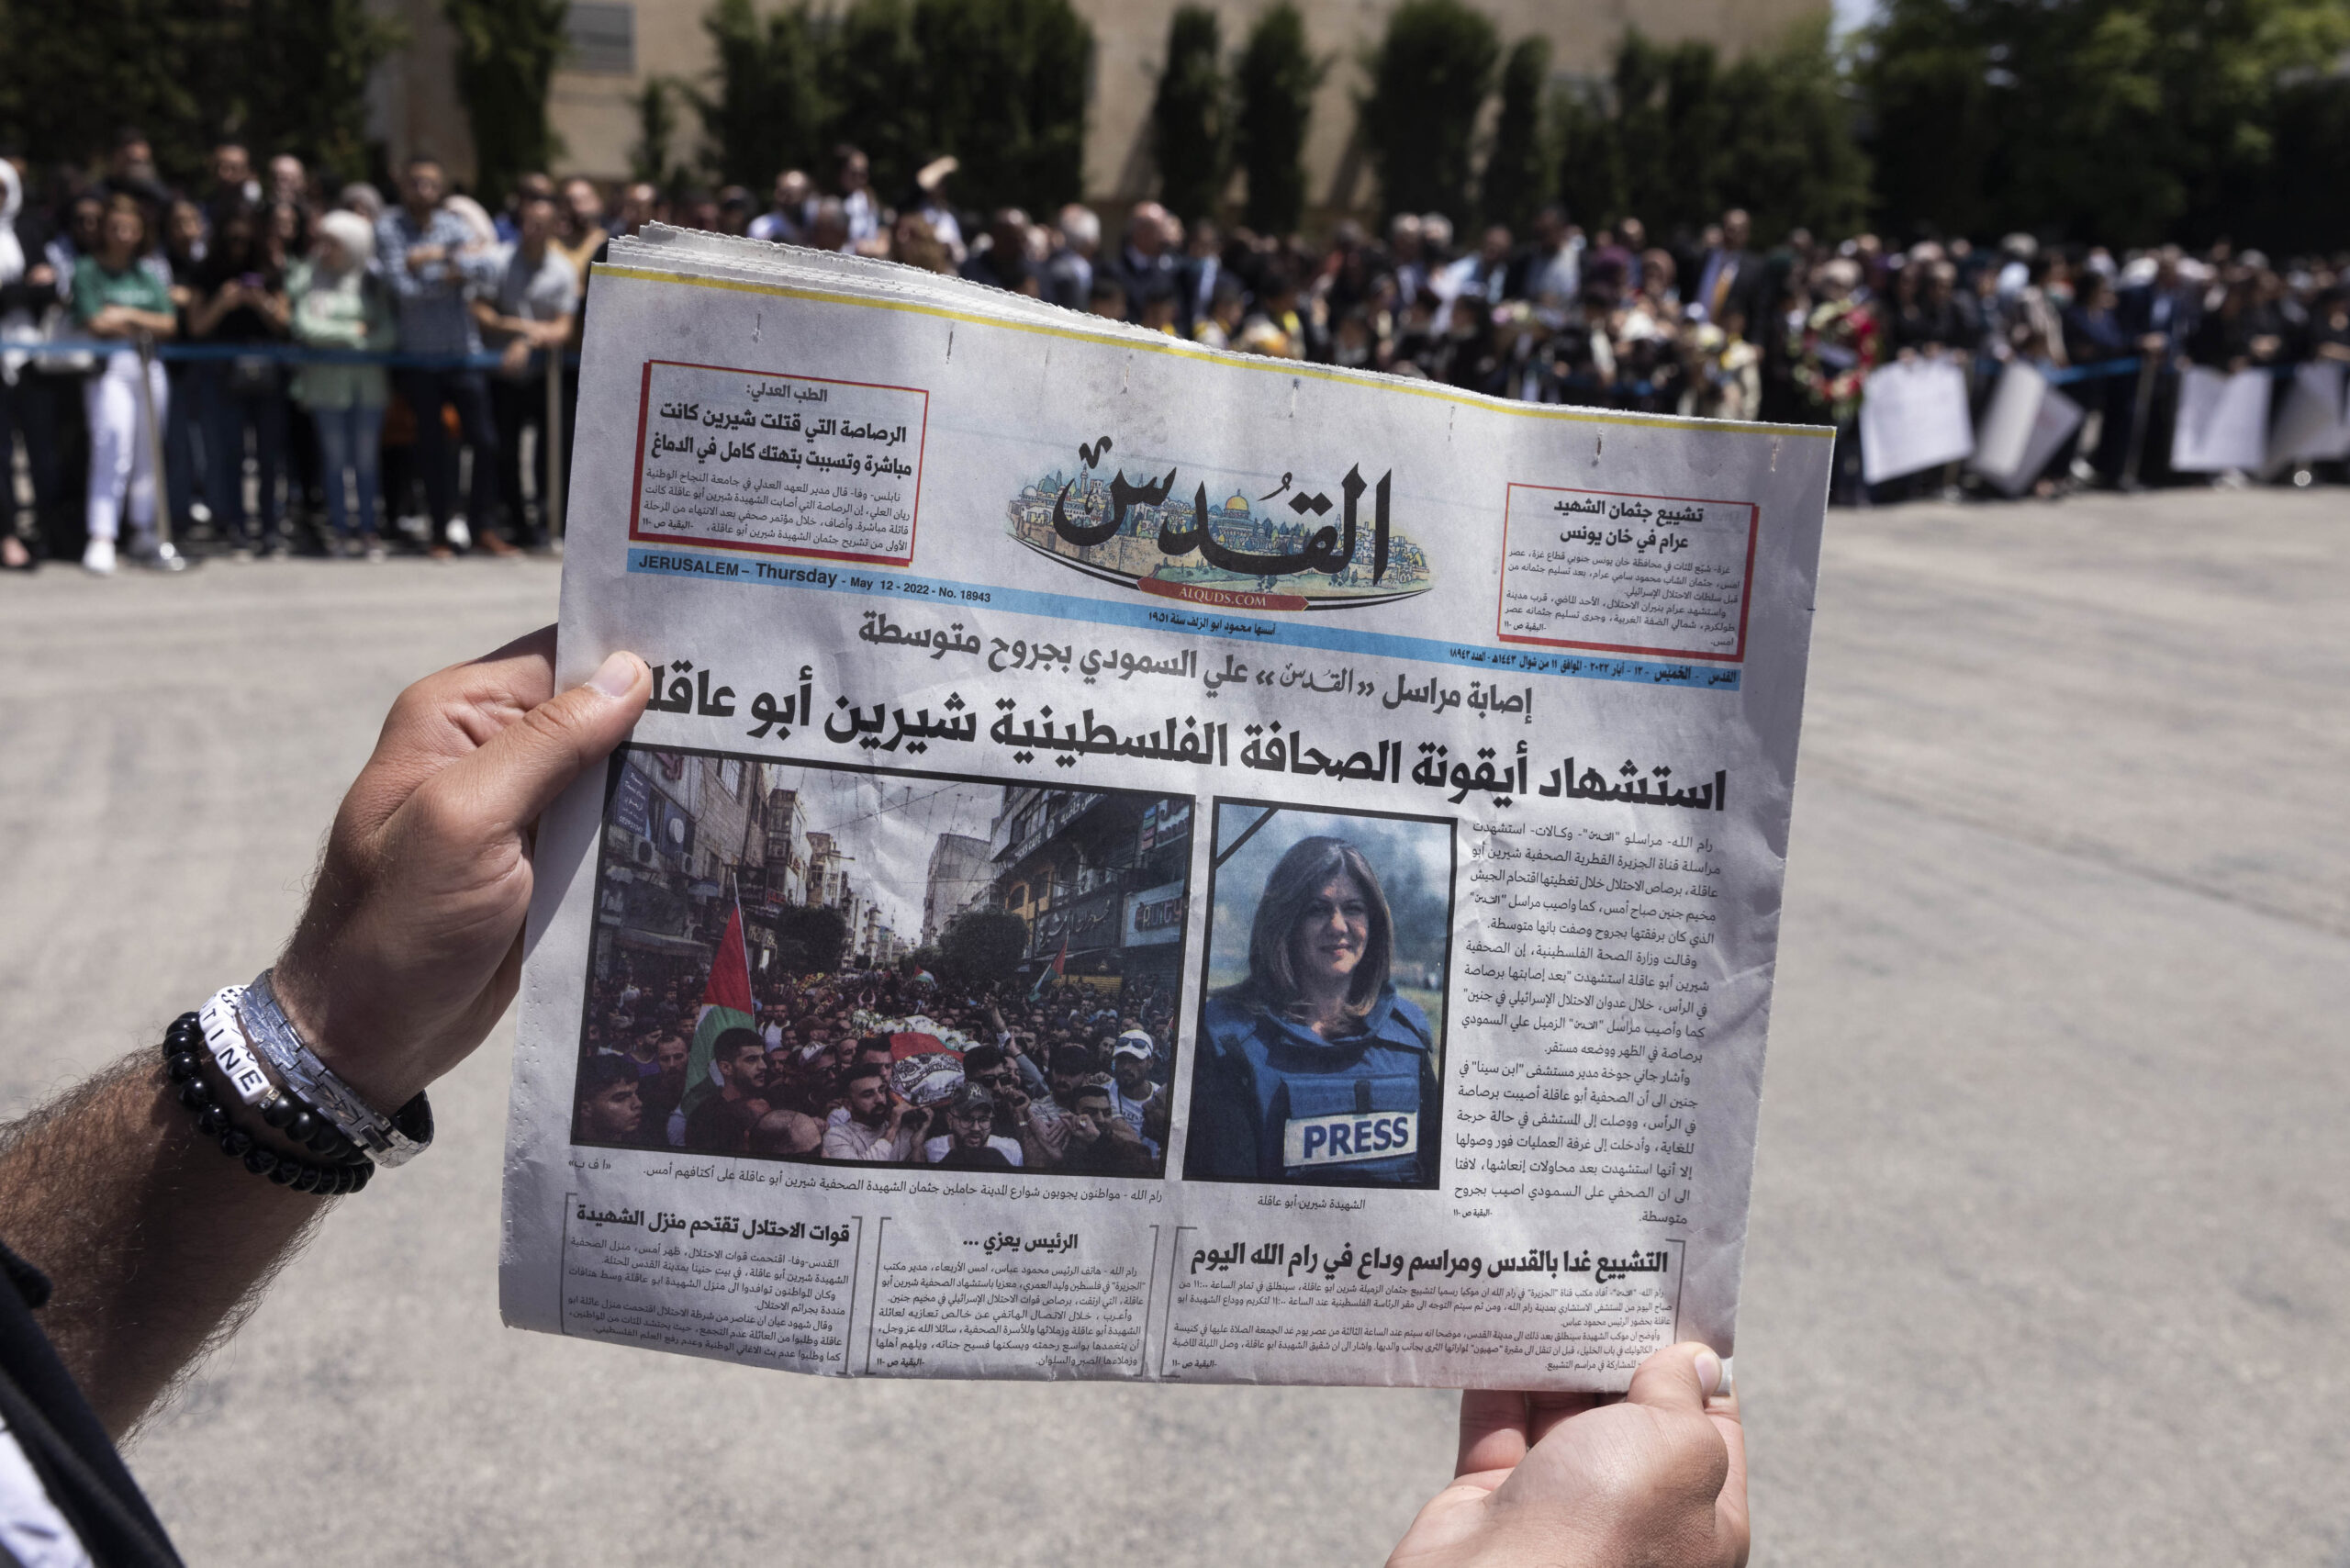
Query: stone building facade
[[618, 44]]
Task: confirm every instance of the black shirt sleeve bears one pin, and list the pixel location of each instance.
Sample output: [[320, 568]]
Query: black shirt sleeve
[[62, 1437]]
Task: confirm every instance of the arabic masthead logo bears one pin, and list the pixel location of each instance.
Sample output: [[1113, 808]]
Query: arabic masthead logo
[[1295, 547]]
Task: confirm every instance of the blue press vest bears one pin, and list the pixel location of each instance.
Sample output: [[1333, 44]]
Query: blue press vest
[[1266, 1091]]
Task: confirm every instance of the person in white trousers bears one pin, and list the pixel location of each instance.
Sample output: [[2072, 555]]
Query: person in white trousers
[[113, 297]]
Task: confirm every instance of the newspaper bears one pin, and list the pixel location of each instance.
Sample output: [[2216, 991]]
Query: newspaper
[[1146, 862]]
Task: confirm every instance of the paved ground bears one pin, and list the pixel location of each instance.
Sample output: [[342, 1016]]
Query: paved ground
[[2050, 1245]]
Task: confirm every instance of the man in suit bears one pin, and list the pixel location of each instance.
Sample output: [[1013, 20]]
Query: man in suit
[[1729, 278]]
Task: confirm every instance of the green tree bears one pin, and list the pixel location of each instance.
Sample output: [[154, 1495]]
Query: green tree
[[1669, 135], [2123, 120], [1005, 81], [70, 75], [1429, 77], [812, 938], [877, 77], [1519, 171], [285, 75], [2301, 201], [980, 945], [1938, 85], [1275, 79], [1792, 156], [770, 111], [1190, 123], [507, 54], [1590, 155], [1000, 84], [1676, 136], [649, 157], [300, 73]]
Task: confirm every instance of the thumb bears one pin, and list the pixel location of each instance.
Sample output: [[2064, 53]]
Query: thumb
[[1678, 1378], [518, 773]]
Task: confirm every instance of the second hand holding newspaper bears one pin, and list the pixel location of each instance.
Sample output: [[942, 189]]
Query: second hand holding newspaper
[[1354, 812]]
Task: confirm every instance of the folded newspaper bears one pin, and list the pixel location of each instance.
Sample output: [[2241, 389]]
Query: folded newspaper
[[1146, 862]]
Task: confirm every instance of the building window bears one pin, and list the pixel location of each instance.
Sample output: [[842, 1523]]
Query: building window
[[729, 776], [602, 38]]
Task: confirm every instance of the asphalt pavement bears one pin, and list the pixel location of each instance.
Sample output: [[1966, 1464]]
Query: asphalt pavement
[[2049, 1250]]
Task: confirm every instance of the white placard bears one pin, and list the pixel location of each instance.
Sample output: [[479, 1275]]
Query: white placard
[[2312, 428], [1914, 417], [2223, 421], [2028, 421]]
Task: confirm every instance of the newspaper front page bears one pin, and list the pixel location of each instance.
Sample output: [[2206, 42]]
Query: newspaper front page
[[1146, 862]]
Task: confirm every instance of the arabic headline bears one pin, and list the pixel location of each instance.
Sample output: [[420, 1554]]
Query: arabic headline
[[702, 428], [1296, 1257], [661, 1222], [1504, 777]]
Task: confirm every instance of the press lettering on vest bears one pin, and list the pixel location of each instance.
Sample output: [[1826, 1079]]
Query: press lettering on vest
[[1338, 1140]]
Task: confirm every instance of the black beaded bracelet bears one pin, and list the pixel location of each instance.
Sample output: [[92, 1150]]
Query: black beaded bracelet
[[284, 1109], [345, 1169]]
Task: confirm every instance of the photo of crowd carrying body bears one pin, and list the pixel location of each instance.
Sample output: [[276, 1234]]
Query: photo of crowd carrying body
[[845, 965], [1321, 1041]]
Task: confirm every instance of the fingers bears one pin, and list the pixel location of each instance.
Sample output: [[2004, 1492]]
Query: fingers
[[1492, 1432], [1498, 1426], [484, 692], [444, 718], [1547, 1410], [518, 771], [1677, 1378], [1730, 1507], [1690, 1379]]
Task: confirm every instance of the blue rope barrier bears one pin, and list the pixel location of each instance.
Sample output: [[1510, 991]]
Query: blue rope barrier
[[284, 353]]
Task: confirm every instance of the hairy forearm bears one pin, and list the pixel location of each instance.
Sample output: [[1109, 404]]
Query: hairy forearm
[[156, 1243]]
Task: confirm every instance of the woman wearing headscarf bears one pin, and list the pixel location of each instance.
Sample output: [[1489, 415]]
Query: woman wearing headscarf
[[1313, 1069], [339, 303]]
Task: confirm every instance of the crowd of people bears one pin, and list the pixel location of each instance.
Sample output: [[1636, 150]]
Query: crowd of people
[[431, 324], [477, 310], [887, 1067]]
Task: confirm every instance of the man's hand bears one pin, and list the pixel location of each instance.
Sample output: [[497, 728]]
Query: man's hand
[[412, 944], [408, 953], [1570, 1480]]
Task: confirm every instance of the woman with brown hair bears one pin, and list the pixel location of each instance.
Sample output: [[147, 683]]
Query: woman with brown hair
[[116, 296], [1313, 1069]]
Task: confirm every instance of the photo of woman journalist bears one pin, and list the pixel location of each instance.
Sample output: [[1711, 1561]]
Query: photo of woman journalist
[[1321, 1037]]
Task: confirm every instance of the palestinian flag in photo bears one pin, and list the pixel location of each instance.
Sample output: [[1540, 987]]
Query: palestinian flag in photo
[[727, 1004], [1060, 968]]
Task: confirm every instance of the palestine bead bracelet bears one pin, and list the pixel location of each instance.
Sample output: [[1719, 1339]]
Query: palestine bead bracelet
[[343, 1168], [224, 1036]]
